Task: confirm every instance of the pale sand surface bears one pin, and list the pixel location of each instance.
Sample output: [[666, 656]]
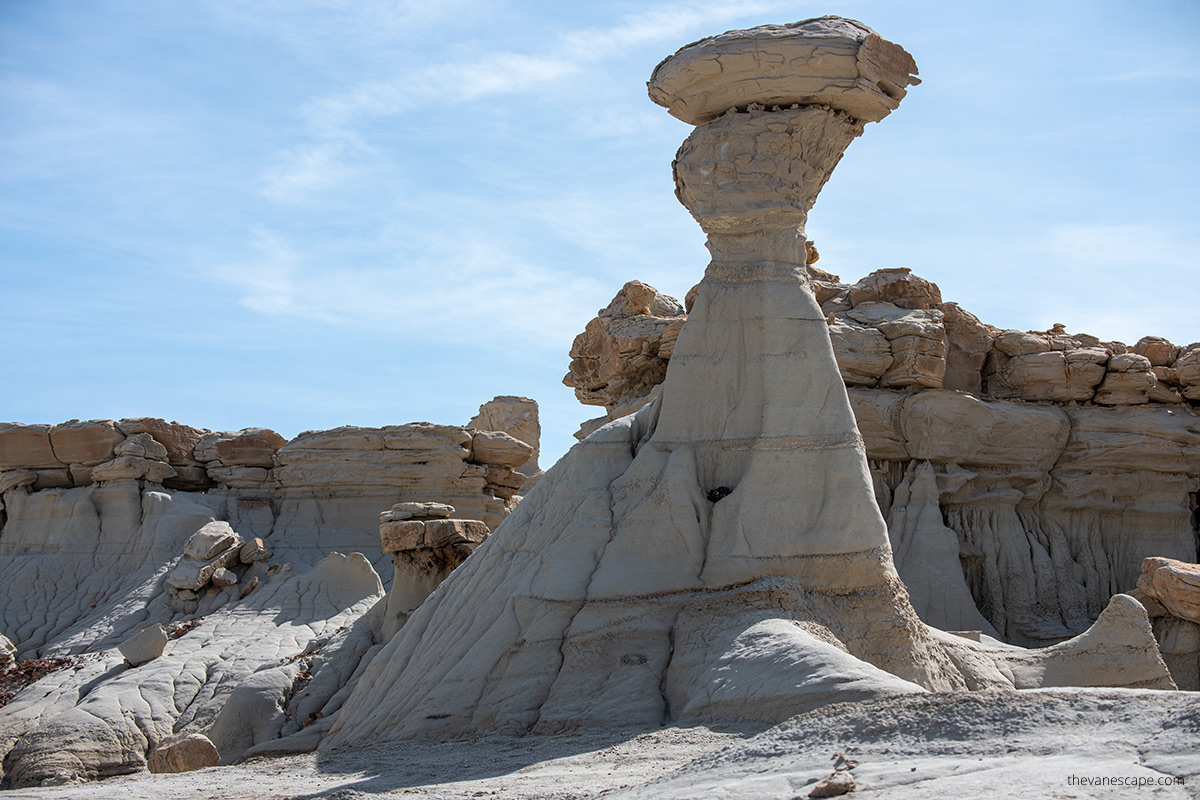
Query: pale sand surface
[[994, 745]]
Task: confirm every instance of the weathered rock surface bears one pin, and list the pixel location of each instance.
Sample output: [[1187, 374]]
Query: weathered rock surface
[[426, 546], [183, 752], [218, 669], [516, 416], [1169, 590], [265, 629], [86, 443], [26, 447], [250, 447], [1174, 584], [145, 646], [622, 353], [719, 554], [1053, 501]]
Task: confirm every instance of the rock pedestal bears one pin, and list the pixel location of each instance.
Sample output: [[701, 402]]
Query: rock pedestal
[[426, 546], [718, 555]]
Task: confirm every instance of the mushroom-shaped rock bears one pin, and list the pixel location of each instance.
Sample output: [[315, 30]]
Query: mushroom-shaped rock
[[826, 61], [622, 591]]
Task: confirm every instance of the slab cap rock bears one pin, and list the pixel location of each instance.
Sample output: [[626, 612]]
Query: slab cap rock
[[87, 443], [183, 752], [499, 449], [403, 511], [827, 61], [396, 537], [145, 646]]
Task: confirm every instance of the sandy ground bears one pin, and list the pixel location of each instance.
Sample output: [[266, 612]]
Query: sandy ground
[[1056, 744], [559, 767]]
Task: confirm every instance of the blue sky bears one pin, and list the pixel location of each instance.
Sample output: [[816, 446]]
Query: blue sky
[[311, 213]]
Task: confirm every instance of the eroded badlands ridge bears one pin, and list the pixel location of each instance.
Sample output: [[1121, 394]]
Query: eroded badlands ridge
[[719, 554], [226, 551], [1021, 484]]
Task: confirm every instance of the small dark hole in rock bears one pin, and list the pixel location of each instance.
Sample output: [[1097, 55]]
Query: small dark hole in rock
[[633, 658], [718, 493], [436, 716]]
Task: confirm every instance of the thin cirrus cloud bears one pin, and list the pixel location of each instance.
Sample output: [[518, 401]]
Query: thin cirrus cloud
[[483, 288], [333, 120]]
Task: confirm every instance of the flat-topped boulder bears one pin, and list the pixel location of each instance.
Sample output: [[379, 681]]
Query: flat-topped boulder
[[828, 61]]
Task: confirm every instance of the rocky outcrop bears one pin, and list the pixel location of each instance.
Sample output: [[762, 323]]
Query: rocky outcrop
[[230, 612], [1039, 485], [426, 546], [623, 352], [717, 555], [183, 753], [516, 416]]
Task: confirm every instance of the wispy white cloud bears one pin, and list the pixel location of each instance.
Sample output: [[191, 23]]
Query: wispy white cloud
[[310, 168], [340, 115], [475, 293]]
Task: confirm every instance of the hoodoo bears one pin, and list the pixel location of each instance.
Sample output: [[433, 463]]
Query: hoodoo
[[719, 554]]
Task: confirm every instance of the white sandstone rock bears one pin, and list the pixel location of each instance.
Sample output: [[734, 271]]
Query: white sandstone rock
[[183, 752], [145, 646]]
